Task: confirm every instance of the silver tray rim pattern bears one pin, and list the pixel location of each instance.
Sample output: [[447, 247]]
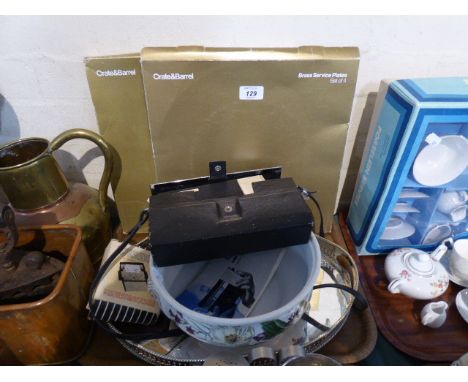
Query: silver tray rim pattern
[[331, 256]]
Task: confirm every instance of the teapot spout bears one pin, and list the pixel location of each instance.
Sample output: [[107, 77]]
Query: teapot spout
[[428, 318]]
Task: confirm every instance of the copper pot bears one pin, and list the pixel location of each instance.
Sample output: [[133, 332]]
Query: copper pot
[[40, 194], [54, 328]]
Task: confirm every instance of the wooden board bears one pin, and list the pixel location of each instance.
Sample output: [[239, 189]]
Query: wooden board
[[398, 316]]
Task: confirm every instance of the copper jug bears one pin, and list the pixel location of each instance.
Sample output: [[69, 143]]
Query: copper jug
[[40, 194]]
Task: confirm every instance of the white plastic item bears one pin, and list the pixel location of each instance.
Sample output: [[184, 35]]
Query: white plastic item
[[434, 314], [417, 274], [442, 160]]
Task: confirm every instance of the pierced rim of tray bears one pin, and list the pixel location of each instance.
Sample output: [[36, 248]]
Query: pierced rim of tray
[[337, 264]]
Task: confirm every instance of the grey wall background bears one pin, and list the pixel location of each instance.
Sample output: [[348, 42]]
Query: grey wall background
[[44, 90]]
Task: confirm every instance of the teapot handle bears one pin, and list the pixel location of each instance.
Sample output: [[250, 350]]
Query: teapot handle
[[393, 286], [103, 145], [442, 249]]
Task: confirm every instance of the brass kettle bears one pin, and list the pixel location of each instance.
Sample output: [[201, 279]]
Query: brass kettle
[[40, 194]]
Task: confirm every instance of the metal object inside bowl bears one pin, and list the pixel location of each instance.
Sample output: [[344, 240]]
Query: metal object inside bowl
[[338, 267]]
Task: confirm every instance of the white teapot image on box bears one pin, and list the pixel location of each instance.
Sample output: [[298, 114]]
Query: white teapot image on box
[[417, 274]]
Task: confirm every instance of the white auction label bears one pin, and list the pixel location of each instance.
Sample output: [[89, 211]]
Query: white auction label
[[251, 92]]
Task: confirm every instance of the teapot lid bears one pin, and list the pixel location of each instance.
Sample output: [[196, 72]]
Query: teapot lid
[[419, 262]]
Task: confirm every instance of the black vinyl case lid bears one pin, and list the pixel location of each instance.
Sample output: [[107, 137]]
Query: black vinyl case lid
[[211, 217]]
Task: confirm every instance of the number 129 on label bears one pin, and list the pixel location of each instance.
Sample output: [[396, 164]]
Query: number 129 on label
[[251, 92]]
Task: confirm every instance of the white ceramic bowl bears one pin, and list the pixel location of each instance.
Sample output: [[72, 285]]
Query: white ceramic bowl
[[282, 304], [441, 162]]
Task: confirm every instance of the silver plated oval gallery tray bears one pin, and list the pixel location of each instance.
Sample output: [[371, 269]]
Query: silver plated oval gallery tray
[[329, 306]]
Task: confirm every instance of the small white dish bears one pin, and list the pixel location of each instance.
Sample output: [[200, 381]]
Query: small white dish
[[412, 194], [462, 303], [442, 160], [445, 261], [405, 208], [397, 229], [437, 233]]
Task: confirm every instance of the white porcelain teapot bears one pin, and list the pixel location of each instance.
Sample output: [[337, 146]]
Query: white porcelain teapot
[[417, 274]]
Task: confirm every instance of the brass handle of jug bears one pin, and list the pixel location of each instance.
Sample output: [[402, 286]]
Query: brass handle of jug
[[106, 151]]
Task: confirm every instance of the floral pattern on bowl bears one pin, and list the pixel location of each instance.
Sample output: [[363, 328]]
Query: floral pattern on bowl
[[227, 335]]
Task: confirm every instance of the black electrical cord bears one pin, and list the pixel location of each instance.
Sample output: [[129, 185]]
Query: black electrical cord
[[310, 195], [315, 323], [359, 303]]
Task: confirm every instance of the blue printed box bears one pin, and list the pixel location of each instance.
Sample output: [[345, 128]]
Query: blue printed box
[[412, 188]]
